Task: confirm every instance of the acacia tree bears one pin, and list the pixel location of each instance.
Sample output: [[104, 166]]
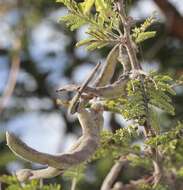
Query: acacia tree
[[136, 95]]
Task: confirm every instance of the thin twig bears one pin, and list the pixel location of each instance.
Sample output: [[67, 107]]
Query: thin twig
[[113, 174], [127, 27], [114, 90], [74, 183], [12, 76], [177, 83]]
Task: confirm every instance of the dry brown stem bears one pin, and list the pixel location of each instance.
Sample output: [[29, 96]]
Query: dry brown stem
[[12, 75]]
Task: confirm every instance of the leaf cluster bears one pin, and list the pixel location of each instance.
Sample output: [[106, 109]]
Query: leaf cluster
[[132, 106], [170, 146], [98, 15], [136, 105], [159, 93], [13, 184], [139, 161], [140, 34], [76, 172], [146, 186], [117, 144]]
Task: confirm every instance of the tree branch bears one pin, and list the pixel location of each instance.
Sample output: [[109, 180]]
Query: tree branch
[[113, 174], [12, 76], [136, 66], [173, 17], [127, 23]]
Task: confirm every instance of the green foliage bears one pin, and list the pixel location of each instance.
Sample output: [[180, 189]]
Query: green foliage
[[144, 36], [169, 143], [139, 161], [180, 173], [145, 186], [98, 15], [8, 179], [134, 106], [131, 107], [76, 172], [140, 34], [6, 157], [159, 92], [103, 23], [117, 144], [73, 21], [14, 184], [154, 119]]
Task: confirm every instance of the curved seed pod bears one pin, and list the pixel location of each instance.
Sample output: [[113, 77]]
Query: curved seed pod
[[115, 90], [91, 121], [74, 102], [101, 87], [28, 174], [105, 74], [108, 68], [49, 172], [123, 58], [103, 79]]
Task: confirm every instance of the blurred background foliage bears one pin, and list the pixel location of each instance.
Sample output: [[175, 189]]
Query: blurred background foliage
[[31, 35]]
